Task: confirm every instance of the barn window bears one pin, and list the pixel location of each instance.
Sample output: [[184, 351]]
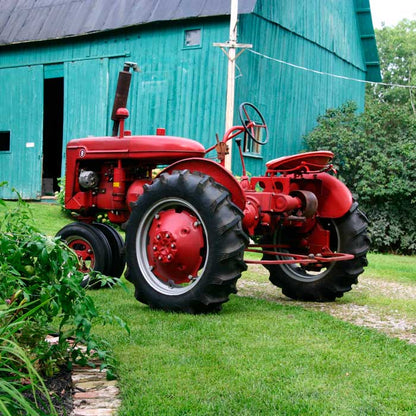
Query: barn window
[[4, 141], [250, 146], [192, 38]]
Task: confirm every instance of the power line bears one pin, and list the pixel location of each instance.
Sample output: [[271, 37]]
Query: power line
[[328, 73]]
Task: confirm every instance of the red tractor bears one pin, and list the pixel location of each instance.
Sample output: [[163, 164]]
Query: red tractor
[[188, 226]]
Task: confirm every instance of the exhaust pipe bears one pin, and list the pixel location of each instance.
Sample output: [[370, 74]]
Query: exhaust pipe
[[122, 92]]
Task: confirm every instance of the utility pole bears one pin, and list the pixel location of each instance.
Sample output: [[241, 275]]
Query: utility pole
[[229, 48]]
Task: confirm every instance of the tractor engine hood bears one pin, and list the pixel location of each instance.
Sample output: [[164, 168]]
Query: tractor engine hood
[[152, 147]]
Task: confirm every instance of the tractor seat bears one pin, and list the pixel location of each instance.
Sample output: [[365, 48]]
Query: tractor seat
[[302, 162]]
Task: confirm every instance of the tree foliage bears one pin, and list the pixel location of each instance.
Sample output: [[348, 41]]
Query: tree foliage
[[376, 150], [397, 53], [375, 156]]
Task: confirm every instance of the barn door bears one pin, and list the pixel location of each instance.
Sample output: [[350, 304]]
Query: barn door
[[21, 130], [86, 96]]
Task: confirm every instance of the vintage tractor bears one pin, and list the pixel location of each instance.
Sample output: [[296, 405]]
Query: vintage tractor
[[188, 225]]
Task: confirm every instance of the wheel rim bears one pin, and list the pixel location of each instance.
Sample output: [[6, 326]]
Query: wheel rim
[[171, 246], [84, 251], [310, 272]]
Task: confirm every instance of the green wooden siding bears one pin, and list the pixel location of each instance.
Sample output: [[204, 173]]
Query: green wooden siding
[[172, 84], [21, 109], [291, 98], [184, 89], [86, 98], [170, 91], [331, 24]]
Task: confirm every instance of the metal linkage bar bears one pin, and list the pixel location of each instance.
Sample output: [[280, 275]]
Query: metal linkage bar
[[294, 258]]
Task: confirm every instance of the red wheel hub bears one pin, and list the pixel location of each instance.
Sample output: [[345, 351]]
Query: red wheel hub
[[176, 245], [85, 254]]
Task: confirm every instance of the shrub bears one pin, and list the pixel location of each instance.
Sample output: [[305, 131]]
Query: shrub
[[40, 294], [375, 157]]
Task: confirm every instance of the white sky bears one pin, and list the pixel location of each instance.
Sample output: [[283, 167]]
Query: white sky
[[392, 11]]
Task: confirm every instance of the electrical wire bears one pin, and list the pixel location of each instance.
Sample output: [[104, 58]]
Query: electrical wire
[[328, 73]]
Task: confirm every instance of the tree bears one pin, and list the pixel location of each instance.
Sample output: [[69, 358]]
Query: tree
[[397, 52], [375, 150], [375, 157]]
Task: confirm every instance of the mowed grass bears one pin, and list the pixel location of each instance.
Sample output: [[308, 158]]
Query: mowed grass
[[255, 357], [48, 218], [392, 268]]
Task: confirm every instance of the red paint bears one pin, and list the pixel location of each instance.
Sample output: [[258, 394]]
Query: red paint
[[306, 162], [85, 254], [217, 172], [176, 241]]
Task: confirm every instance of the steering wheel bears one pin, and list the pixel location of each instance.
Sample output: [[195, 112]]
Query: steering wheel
[[249, 123]]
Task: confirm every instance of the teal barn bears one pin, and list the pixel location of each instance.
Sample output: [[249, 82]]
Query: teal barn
[[59, 62]]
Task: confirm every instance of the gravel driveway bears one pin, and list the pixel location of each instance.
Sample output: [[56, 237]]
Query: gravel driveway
[[392, 323]]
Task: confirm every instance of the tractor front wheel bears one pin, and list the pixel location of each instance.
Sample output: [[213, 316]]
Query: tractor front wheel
[[324, 283], [185, 244], [116, 268], [91, 246]]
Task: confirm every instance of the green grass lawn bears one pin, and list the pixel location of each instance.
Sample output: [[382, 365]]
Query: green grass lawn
[[254, 358], [393, 268], [257, 357]]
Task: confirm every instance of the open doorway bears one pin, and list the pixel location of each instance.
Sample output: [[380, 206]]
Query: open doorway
[[53, 120]]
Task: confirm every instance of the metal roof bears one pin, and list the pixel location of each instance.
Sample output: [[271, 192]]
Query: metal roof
[[36, 20]]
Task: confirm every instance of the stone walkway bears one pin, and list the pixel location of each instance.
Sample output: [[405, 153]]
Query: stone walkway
[[94, 395]]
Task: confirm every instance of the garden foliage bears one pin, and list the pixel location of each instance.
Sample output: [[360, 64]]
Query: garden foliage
[[375, 156], [40, 294]]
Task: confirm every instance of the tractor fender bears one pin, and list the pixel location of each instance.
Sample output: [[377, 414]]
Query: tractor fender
[[216, 172], [334, 198]]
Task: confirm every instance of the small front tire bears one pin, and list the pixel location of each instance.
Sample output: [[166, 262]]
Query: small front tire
[[116, 242], [91, 247]]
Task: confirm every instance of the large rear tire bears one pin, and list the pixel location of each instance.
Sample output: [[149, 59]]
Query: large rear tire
[[347, 235], [185, 244]]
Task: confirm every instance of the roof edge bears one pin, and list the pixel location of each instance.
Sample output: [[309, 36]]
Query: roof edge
[[368, 40]]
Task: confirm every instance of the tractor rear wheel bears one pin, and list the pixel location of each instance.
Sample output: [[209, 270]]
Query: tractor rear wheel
[[326, 283], [90, 245], [185, 244]]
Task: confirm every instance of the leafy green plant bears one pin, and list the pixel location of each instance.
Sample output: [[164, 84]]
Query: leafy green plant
[[41, 272], [374, 155], [18, 376]]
